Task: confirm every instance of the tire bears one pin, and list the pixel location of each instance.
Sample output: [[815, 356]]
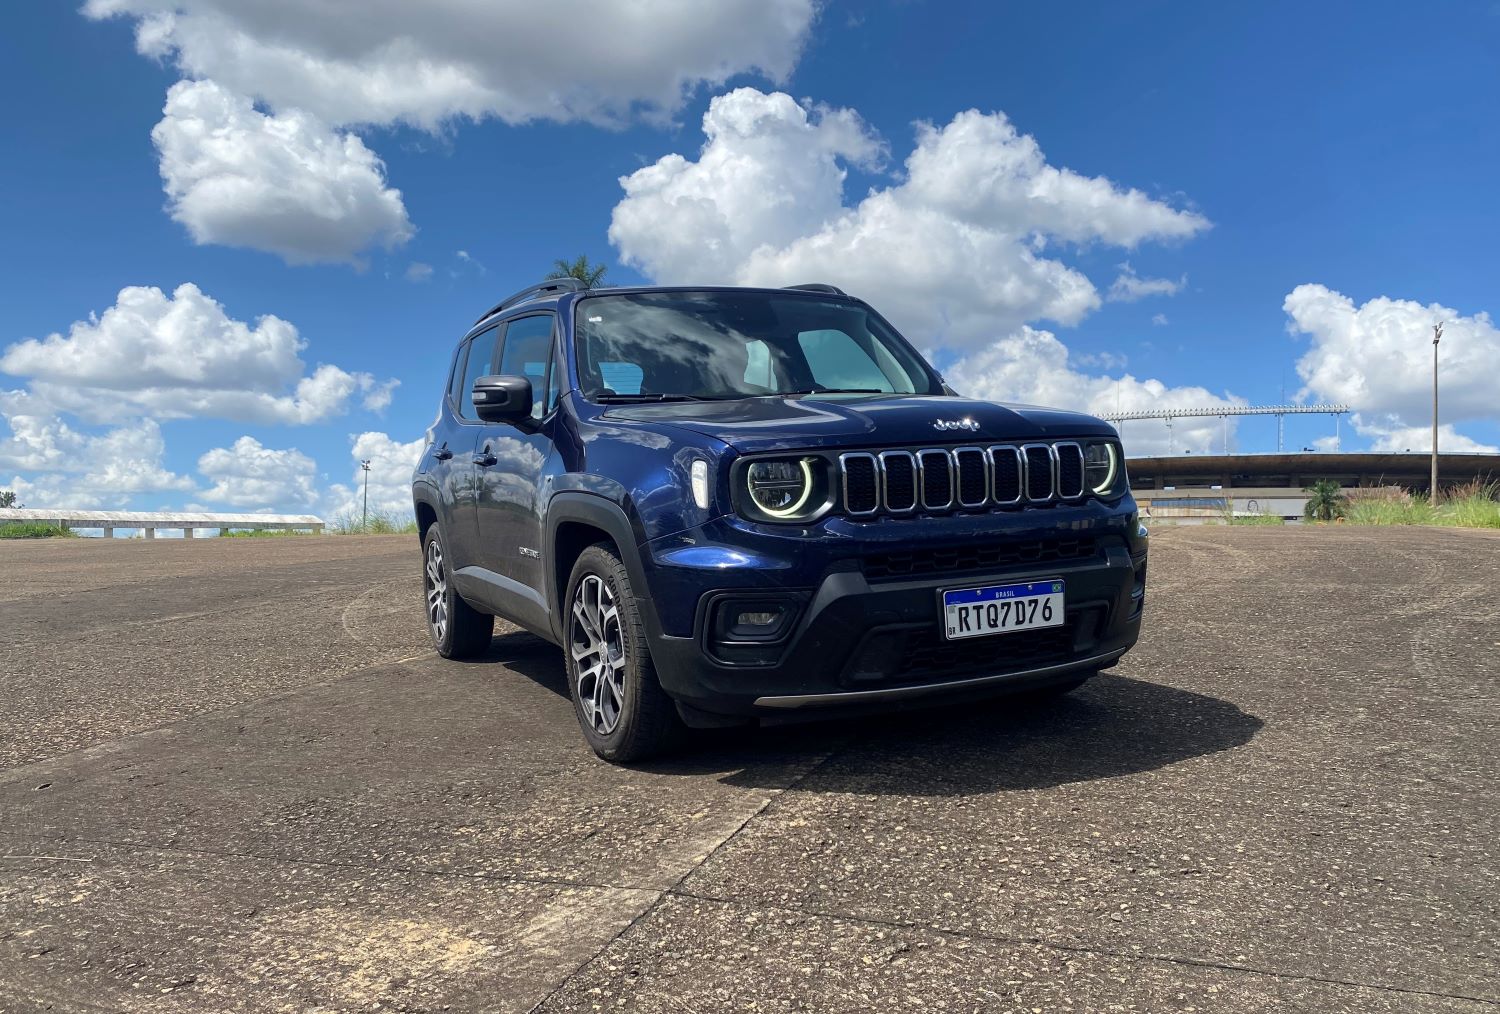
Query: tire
[[620, 705], [458, 629]]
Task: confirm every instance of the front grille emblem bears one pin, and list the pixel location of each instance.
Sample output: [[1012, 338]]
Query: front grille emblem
[[956, 424]]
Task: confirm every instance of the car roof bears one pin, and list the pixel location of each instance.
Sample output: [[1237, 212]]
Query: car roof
[[556, 300]]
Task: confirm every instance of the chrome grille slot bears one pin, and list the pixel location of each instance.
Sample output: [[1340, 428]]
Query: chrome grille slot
[[1069, 470], [1005, 474], [973, 477], [1039, 478], [936, 471], [899, 489], [861, 483]]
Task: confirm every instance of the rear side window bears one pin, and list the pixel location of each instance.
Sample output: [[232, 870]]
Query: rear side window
[[456, 374], [481, 358], [527, 353]]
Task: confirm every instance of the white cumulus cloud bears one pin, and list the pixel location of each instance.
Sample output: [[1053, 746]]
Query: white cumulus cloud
[[67, 468], [179, 355], [1389, 434], [1377, 358], [956, 253], [385, 61], [283, 183], [391, 465], [1033, 367], [1129, 286], [250, 475]]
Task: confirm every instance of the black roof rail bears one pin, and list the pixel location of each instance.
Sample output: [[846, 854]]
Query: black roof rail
[[550, 285], [832, 290]]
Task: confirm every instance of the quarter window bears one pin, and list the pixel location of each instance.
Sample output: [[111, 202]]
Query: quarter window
[[480, 364]]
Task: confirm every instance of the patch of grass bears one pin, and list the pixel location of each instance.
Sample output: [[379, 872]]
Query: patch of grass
[[1472, 512], [1390, 511], [379, 523], [35, 530], [259, 533], [1255, 519], [1473, 505]]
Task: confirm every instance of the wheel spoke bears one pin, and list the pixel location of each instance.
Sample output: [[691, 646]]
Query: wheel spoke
[[596, 648], [437, 591]]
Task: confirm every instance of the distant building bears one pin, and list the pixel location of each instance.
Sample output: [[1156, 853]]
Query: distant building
[[1196, 488]]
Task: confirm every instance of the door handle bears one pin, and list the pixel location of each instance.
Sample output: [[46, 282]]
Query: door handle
[[485, 459], [442, 454]]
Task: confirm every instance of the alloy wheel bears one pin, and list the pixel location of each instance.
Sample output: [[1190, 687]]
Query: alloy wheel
[[598, 650], [435, 582]]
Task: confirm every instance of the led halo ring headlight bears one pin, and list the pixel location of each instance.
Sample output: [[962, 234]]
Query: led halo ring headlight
[[796, 488], [1101, 467], [780, 489]]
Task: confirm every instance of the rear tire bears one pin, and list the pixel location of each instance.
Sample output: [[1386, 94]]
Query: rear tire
[[458, 629], [621, 708]]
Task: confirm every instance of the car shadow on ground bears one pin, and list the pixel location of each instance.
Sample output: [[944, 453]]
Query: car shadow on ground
[[1114, 725]]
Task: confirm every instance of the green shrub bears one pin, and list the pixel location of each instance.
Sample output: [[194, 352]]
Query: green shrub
[[379, 523], [35, 530]]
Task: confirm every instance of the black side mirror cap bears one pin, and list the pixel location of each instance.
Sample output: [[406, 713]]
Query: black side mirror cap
[[503, 399]]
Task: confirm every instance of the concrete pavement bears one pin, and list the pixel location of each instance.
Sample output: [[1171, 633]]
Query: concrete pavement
[[233, 778]]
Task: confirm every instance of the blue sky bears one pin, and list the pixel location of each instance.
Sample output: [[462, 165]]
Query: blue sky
[[1325, 167]]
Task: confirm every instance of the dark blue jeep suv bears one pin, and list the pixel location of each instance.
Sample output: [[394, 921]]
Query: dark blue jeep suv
[[731, 504]]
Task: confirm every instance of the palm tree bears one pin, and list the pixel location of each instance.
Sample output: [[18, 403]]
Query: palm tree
[[589, 274], [8, 499], [1326, 501]]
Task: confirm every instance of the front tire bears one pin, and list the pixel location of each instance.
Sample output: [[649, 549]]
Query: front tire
[[458, 629], [621, 708]]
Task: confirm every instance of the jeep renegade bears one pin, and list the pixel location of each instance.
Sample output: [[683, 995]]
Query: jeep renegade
[[728, 504]]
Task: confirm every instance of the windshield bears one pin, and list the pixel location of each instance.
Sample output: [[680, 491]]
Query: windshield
[[714, 345]]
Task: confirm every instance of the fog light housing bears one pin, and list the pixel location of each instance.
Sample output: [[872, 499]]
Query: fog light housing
[[752, 620], [750, 629]]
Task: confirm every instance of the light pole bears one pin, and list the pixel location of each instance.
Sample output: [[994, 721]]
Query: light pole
[[365, 524], [1437, 333]]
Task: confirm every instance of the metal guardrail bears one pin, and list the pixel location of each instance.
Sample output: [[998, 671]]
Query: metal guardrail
[[149, 522]]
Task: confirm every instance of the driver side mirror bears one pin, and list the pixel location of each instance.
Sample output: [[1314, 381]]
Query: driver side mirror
[[503, 399]]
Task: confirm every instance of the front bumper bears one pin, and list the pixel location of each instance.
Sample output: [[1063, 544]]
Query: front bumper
[[863, 638]]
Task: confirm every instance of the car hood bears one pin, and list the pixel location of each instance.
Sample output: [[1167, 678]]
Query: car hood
[[770, 424]]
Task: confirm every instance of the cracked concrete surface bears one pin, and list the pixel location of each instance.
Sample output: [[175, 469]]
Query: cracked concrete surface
[[233, 779]]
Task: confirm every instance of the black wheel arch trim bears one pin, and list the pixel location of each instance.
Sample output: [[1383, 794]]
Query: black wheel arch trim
[[609, 517]]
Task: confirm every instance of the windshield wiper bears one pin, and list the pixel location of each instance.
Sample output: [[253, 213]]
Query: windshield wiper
[[832, 390], [621, 399]]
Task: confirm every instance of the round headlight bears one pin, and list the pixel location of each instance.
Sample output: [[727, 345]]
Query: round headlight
[[780, 488], [1100, 465]]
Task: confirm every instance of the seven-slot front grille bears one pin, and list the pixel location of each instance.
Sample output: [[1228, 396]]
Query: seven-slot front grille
[[960, 478]]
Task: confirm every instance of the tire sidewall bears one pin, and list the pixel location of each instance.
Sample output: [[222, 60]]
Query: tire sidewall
[[443, 645], [601, 564]]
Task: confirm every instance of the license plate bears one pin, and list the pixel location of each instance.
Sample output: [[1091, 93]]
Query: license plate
[[1002, 608]]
